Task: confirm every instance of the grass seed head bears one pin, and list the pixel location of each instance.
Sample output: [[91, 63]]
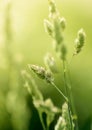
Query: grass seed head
[[48, 27], [79, 42], [50, 63], [40, 71], [63, 23]]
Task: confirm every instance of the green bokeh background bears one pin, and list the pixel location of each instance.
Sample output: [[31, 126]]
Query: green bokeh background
[[29, 45]]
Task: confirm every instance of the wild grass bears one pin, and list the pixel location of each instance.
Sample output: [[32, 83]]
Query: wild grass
[[15, 96], [55, 26]]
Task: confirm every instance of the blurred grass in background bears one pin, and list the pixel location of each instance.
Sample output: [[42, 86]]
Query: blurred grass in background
[[29, 44]]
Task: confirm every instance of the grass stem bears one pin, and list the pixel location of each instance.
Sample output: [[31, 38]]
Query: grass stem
[[59, 91], [41, 119], [67, 92]]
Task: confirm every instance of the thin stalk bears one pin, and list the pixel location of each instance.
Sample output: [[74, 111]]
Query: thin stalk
[[71, 59], [70, 92], [67, 92], [71, 96], [48, 124], [41, 119], [59, 91]]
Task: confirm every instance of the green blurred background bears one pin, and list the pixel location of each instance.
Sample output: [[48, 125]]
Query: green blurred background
[[29, 44]]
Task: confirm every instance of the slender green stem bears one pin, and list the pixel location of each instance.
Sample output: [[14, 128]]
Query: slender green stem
[[67, 92], [71, 96], [71, 60], [48, 123], [41, 119], [59, 91], [70, 92]]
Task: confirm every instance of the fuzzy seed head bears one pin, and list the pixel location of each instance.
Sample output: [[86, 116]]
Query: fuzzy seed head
[[40, 71], [62, 23], [62, 52], [50, 63], [52, 6], [66, 117], [81, 37], [57, 31], [48, 77], [61, 124], [79, 42], [48, 27]]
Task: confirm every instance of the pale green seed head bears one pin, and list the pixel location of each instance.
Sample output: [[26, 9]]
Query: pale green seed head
[[63, 23], [57, 33], [40, 71], [48, 27], [50, 63], [61, 124], [62, 52], [80, 41], [48, 76], [66, 116], [81, 37], [52, 6]]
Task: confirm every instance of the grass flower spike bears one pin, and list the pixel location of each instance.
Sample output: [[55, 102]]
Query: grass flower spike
[[55, 26], [63, 23], [42, 73], [79, 42], [64, 122], [48, 27], [50, 63], [52, 7]]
